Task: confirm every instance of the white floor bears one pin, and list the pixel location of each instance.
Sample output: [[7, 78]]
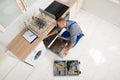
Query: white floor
[[98, 52]]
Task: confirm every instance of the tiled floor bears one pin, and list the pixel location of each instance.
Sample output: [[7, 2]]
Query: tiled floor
[[98, 52]]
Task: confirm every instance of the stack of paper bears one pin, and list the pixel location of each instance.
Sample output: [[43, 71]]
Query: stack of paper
[[30, 36]]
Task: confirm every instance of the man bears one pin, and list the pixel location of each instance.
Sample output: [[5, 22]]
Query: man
[[73, 32]]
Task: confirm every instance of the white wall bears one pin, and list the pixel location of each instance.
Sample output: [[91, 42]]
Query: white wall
[[104, 9], [14, 28]]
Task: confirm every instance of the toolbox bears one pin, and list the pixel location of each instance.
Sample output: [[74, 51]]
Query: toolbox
[[66, 68]]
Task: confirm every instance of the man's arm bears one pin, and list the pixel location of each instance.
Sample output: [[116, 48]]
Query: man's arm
[[68, 48], [71, 44], [54, 31], [73, 37]]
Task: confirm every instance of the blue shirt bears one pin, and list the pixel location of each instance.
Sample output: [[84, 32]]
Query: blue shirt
[[74, 31]]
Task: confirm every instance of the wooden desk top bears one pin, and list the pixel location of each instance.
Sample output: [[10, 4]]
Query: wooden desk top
[[21, 47]]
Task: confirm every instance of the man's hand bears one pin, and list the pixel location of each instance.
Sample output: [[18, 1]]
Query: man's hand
[[66, 52]]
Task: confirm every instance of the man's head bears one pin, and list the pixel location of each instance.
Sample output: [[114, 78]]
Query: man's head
[[61, 22]]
